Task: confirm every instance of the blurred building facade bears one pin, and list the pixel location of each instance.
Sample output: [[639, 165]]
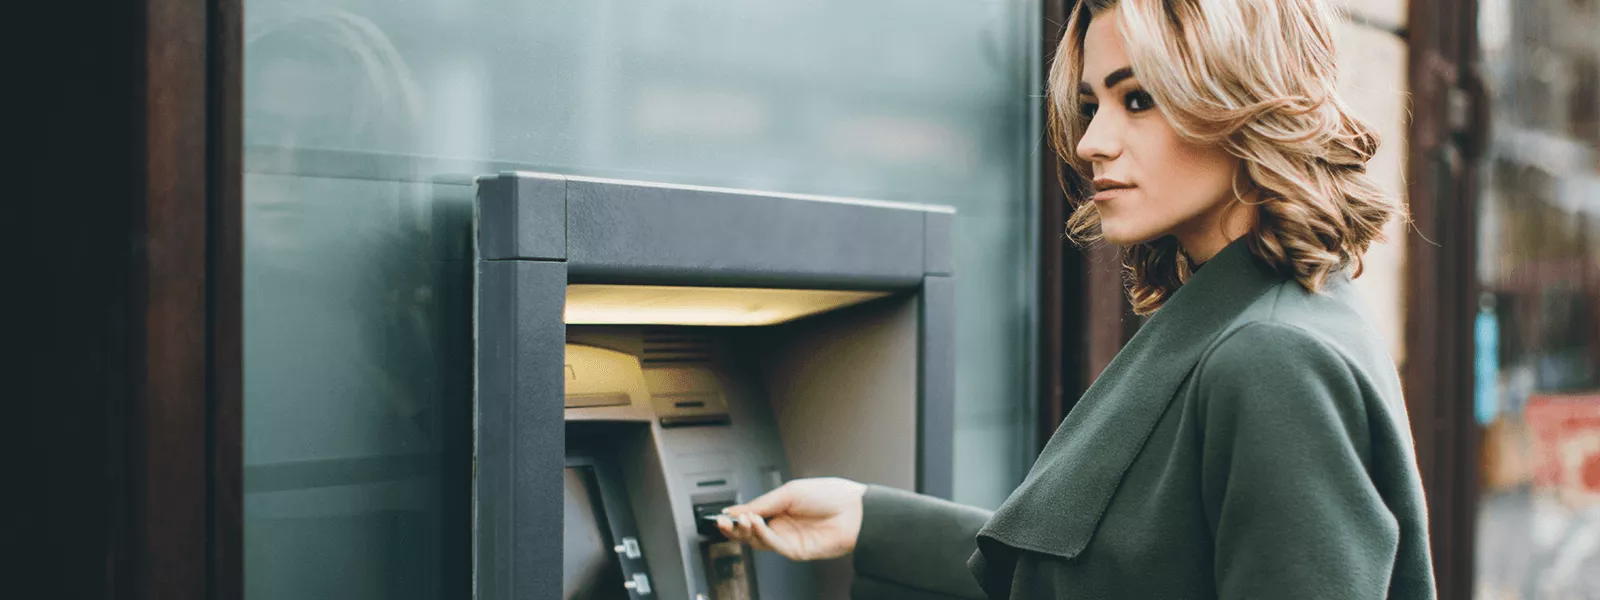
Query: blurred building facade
[[1524, 425], [1537, 334]]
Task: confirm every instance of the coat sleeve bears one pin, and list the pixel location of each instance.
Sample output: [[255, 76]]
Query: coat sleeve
[[1286, 471], [915, 547]]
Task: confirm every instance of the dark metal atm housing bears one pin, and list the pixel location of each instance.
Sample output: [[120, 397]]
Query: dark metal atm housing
[[600, 445]]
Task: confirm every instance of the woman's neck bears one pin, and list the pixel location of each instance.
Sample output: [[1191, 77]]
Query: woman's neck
[[1208, 236]]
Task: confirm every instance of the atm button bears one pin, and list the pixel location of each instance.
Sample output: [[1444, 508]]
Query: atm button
[[639, 584], [629, 548]]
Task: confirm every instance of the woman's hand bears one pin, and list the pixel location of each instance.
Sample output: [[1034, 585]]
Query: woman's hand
[[805, 519]]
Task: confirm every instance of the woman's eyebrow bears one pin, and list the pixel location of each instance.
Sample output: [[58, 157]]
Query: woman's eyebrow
[[1116, 77]]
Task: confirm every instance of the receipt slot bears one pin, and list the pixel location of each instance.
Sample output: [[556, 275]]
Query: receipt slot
[[648, 354]]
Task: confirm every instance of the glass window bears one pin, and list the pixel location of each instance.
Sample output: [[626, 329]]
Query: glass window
[[366, 121], [1538, 326]]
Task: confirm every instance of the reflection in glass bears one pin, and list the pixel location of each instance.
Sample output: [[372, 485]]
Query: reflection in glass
[[347, 381], [1538, 338], [366, 122]]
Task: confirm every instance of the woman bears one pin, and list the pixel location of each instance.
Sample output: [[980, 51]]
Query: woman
[[1251, 441]]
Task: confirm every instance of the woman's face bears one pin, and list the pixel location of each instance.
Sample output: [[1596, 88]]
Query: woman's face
[[1149, 182]]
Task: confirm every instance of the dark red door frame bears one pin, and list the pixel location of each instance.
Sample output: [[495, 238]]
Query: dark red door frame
[[1058, 284], [1446, 136], [128, 219], [183, 431], [225, 295]]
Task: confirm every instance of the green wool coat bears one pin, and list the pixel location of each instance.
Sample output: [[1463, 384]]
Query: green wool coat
[[1250, 441]]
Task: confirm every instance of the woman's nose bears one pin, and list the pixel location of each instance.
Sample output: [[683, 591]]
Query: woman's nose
[[1099, 143]]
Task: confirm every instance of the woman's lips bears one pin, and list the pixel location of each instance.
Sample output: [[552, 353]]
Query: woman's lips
[[1107, 195], [1106, 188]]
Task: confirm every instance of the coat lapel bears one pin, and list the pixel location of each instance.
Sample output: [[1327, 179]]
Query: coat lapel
[[1058, 506]]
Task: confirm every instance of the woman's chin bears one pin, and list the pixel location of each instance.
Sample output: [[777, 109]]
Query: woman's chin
[[1117, 235]]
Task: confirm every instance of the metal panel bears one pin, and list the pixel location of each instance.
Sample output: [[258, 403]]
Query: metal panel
[[937, 257], [936, 415], [524, 216], [521, 434], [625, 232]]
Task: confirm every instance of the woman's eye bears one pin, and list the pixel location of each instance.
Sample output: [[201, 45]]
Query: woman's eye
[[1086, 110], [1138, 101]]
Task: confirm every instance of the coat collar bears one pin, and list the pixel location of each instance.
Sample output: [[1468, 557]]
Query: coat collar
[[1058, 506]]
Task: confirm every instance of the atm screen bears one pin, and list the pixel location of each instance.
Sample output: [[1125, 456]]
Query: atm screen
[[591, 568]]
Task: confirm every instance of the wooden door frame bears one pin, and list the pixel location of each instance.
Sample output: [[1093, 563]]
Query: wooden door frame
[[128, 435], [185, 426], [183, 429], [225, 296], [1447, 133], [1054, 280]]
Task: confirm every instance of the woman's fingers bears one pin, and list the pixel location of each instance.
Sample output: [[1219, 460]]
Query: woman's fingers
[[770, 540], [742, 524], [738, 527], [768, 504], [729, 528], [753, 530]]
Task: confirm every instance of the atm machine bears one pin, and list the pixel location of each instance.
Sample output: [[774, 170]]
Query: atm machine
[[648, 354]]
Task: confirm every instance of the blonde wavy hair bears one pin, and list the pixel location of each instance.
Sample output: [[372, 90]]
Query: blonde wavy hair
[[1257, 78]]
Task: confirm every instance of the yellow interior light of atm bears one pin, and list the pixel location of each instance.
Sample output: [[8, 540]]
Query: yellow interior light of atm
[[589, 304]]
